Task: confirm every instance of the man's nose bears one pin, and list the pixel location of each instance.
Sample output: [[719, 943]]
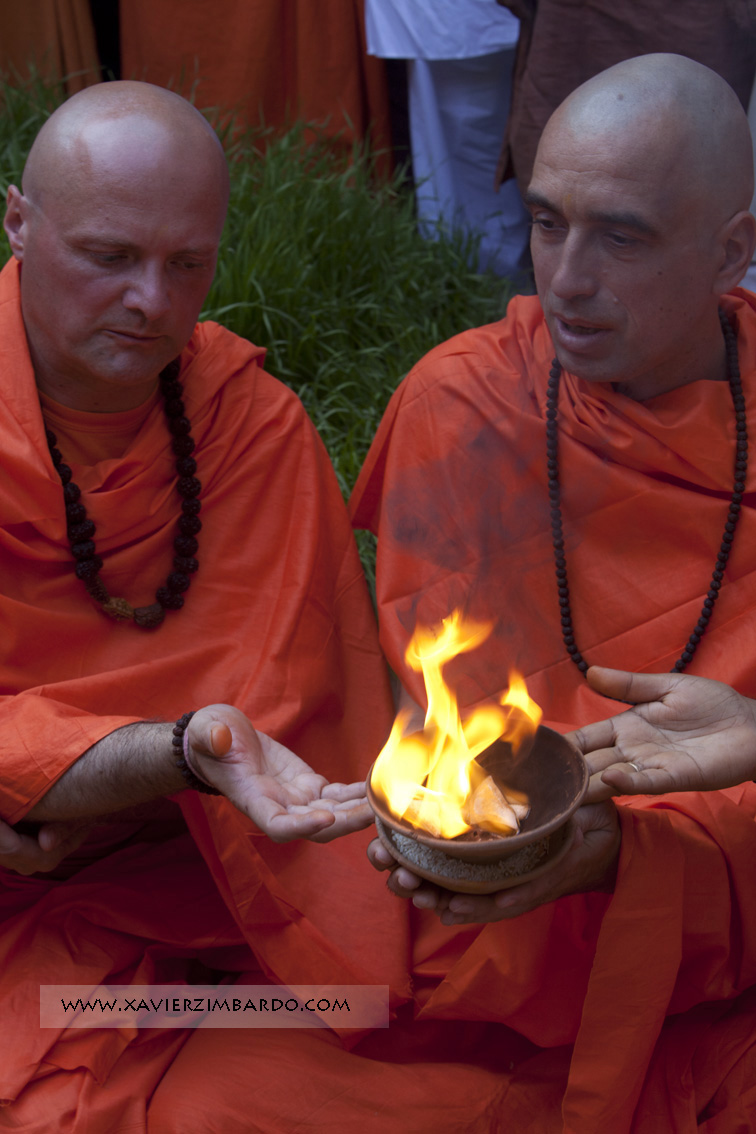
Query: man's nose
[[575, 273], [148, 291]]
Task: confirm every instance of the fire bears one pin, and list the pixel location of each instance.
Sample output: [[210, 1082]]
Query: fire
[[430, 777]]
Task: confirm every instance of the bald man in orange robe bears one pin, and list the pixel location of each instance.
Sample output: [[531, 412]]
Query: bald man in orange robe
[[599, 509], [173, 539], [616, 993]]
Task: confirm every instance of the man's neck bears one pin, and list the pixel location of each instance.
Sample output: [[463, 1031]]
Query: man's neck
[[707, 366]]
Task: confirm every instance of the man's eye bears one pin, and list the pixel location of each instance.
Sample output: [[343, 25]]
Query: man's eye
[[547, 226], [619, 240], [108, 257]]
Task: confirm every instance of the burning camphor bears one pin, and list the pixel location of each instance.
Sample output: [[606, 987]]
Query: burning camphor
[[431, 778]]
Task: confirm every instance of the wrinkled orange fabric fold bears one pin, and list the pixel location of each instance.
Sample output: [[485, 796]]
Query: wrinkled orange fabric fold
[[455, 488]]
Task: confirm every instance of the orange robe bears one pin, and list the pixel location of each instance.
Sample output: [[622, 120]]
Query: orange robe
[[631, 999], [277, 622]]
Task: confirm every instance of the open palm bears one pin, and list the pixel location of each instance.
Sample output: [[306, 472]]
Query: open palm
[[683, 733], [269, 783]]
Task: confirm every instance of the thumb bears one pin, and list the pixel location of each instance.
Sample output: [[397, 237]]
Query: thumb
[[632, 688], [208, 736], [221, 739], [63, 832], [10, 840]]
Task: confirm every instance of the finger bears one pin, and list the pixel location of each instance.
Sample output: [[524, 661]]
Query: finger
[[405, 884], [28, 858], [211, 739], [62, 836], [215, 730], [360, 807], [344, 792], [402, 882], [596, 742], [634, 687], [469, 909], [284, 827], [599, 789], [522, 899], [644, 781], [429, 898], [379, 857], [10, 840], [50, 836], [345, 823]]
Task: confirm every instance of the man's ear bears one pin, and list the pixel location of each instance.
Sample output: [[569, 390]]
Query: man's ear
[[16, 221], [738, 241]]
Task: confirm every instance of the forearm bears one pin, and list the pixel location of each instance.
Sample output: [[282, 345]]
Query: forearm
[[132, 765]]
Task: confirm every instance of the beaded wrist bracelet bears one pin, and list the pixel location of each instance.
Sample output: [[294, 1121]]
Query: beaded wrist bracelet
[[180, 744]]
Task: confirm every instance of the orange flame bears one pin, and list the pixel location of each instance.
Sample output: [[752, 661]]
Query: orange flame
[[430, 777]]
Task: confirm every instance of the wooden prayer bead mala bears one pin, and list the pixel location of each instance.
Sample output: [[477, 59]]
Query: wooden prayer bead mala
[[81, 529], [733, 512]]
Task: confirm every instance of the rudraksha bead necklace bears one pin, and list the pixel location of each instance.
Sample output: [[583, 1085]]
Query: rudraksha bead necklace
[[81, 529], [557, 534]]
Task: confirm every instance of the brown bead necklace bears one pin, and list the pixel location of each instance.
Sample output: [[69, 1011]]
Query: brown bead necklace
[[733, 512], [81, 529]]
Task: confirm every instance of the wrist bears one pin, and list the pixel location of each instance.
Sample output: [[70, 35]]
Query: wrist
[[192, 776]]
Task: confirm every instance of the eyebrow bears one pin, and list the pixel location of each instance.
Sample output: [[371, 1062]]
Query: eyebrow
[[621, 218]]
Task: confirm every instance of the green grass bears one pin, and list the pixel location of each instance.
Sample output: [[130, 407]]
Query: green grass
[[321, 264]]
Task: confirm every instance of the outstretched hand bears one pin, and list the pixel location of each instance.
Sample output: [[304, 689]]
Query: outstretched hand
[[684, 733], [281, 794]]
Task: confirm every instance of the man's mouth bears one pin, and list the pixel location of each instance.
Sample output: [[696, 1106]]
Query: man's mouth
[[579, 328], [133, 335]]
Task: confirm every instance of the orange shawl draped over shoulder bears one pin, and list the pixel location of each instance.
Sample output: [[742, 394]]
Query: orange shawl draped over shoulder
[[455, 487], [277, 622]]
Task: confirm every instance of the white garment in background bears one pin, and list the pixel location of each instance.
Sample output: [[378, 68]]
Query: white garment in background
[[459, 56], [438, 29]]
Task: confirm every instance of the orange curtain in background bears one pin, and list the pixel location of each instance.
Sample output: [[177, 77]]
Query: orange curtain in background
[[54, 37], [272, 61]]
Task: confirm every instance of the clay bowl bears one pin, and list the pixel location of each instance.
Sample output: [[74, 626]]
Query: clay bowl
[[555, 778]]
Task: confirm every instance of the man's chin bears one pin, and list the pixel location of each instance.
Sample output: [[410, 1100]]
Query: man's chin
[[128, 365], [589, 370]]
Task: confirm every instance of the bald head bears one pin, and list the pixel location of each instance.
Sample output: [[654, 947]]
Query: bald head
[[121, 123], [639, 196], [116, 228], [683, 113]]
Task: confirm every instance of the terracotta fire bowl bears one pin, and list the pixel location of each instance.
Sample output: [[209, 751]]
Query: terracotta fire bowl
[[555, 778]]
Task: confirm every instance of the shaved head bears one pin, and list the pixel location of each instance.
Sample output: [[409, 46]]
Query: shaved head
[[679, 107], [639, 197], [117, 115], [116, 228]]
